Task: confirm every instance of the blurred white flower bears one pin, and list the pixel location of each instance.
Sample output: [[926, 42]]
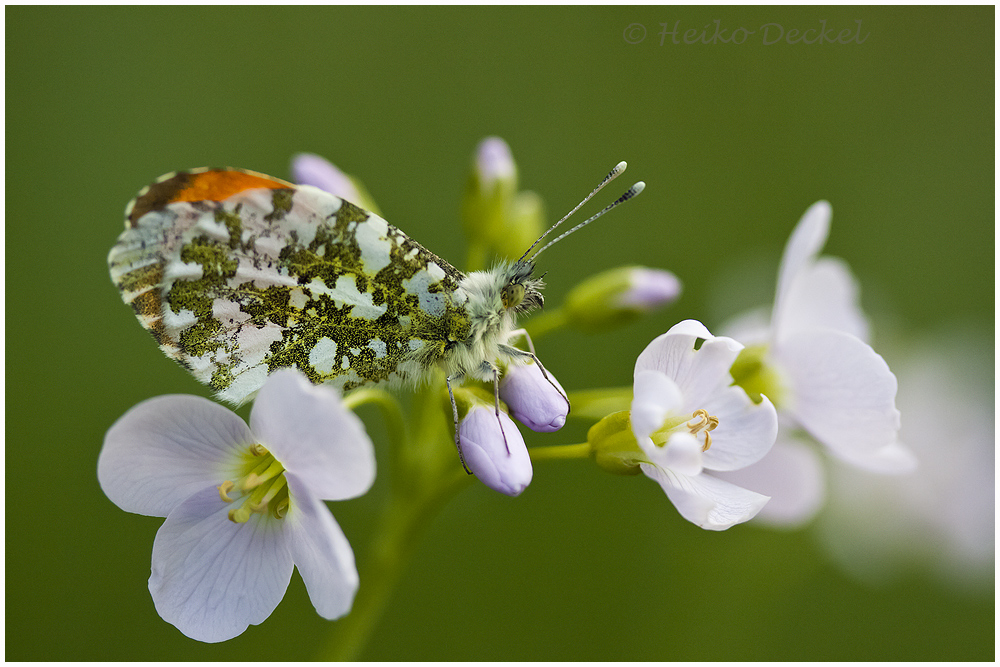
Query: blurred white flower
[[243, 505], [813, 362], [942, 517], [688, 418], [309, 169], [494, 165]]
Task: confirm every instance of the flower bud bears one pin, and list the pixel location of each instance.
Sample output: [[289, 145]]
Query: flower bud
[[309, 169], [495, 165], [491, 205], [537, 402], [494, 450], [618, 296]]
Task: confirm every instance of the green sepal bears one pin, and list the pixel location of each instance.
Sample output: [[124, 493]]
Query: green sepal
[[468, 397], [614, 446], [755, 376]]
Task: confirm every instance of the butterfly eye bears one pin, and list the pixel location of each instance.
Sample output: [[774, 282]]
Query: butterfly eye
[[511, 295]]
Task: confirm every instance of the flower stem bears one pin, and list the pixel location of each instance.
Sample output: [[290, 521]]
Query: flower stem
[[402, 522], [580, 451]]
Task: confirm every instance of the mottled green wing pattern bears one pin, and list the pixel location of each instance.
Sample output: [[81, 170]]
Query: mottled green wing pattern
[[235, 278]]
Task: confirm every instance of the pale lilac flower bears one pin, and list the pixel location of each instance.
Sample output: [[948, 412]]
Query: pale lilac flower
[[537, 402], [494, 450], [688, 419], [243, 505]]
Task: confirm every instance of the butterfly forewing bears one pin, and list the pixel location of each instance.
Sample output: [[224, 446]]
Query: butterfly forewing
[[237, 274]]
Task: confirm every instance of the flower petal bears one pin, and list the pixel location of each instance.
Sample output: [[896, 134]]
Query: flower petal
[[494, 450], [823, 295], [313, 435], [167, 448], [745, 433], [699, 373], [705, 500], [792, 474], [681, 453], [892, 459], [537, 402], [803, 245], [321, 552], [841, 391], [750, 327], [654, 398], [211, 578]]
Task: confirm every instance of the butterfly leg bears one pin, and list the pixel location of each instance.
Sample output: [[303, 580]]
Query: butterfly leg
[[521, 355], [454, 412]]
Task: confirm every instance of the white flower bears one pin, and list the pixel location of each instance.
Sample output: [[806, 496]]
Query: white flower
[[242, 504], [825, 377], [688, 418], [792, 475], [538, 402], [494, 450]]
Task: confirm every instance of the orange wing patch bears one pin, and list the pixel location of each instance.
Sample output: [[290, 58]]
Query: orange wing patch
[[198, 185]]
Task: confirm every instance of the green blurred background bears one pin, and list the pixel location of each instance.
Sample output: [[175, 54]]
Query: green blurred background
[[733, 141]]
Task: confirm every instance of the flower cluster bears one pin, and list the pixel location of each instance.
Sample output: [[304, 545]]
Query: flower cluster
[[717, 421]]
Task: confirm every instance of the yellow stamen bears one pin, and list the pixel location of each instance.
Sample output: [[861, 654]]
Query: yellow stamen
[[224, 490], [703, 422], [260, 487]]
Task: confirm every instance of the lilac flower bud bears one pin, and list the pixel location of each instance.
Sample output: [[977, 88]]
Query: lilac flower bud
[[495, 164], [618, 296], [534, 401], [309, 169], [650, 288], [494, 450]]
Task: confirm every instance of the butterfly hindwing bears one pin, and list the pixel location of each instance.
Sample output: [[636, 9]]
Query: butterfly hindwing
[[237, 274]]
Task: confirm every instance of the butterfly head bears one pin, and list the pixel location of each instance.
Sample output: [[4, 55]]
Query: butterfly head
[[521, 292]]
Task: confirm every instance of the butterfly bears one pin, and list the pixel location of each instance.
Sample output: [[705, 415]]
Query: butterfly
[[237, 274]]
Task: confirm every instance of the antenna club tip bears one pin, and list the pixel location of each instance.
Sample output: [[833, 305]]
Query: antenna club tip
[[620, 167], [639, 187]]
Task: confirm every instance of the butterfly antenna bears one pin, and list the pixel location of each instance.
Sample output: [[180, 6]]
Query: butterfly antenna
[[631, 192], [612, 175]]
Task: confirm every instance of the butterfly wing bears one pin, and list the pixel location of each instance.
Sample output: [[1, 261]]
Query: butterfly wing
[[237, 274]]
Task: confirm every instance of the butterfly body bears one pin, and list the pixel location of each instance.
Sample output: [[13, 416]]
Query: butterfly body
[[237, 274]]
